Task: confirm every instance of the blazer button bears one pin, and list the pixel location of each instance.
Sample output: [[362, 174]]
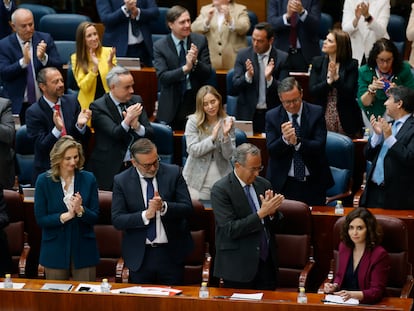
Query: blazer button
[[219, 43]]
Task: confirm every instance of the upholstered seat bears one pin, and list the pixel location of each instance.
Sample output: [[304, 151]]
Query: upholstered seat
[[395, 242], [231, 98], [62, 26], [164, 140], [24, 148], [38, 11], [396, 29], [158, 26]]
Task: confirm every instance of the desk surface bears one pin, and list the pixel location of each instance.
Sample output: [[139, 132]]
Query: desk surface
[[32, 298]]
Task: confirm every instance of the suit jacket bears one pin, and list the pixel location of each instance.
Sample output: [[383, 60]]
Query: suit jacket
[[87, 82], [128, 204], [74, 240], [39, 122], [117, 24], [13, 75], [398, 168], [238, 230], [373, 271], [307, 31], [7, 136], [312, 149], [111, 140], [248, 93], [224, 44], [364, 35], [346, 87], [170, 74], [5, 17]]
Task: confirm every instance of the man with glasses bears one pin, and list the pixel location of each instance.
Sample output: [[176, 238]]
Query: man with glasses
[[296, 138], [246, 213], [150, 204], [119, 119]]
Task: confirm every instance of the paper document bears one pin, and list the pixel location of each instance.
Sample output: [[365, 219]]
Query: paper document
[[91, 288], [57, 286], [335, 299], [147, 290], [256, 296], [15, 285]]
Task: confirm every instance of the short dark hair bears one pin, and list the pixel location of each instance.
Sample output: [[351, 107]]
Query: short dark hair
[[174, 12], [374, 232], [142, 146], [267, 27], [288, 84], [405, 94], [41, 76], [243, 150], [385, 45]]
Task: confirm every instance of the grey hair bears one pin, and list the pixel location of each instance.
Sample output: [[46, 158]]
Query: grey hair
[[243, 150], [288, 84], [112, 77], [17, 12], [142, 146]]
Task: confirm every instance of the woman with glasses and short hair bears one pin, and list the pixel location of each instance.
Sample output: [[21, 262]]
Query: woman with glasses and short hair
[[385, 68], [211, 141]]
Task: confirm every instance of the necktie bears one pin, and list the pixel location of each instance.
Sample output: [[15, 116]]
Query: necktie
[[264, 247], [293, 35], [378, 174], [151, 230], [134, 27], [122, 107], [30, 83], [298, 164], [262, 80], [182, 61], [57, 108]]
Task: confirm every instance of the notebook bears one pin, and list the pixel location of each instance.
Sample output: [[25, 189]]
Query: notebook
[[129, 62], [245, 126]]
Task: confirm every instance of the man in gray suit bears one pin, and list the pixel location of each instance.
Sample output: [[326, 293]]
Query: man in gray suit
[[246, 213], [182, 63]]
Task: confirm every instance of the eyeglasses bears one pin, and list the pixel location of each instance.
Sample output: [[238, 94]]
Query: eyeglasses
[[385, 61], [254, 169], [292, 101], [147, 166]]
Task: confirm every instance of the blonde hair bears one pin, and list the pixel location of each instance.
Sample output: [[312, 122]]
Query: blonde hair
[[58, 152], [200, 115]]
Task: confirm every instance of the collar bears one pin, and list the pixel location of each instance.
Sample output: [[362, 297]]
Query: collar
[[242, 183], [116, 102], [267, 53], [52, 104], [21, 42], [299, 113], [177, 41]]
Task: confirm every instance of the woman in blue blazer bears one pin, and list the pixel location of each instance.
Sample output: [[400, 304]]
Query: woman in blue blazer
[[66, 208]]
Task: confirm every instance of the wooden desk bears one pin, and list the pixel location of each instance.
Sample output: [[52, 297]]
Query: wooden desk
[[146, 85], [32, 298]]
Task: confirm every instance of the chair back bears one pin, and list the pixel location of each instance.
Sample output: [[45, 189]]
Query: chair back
[[24, 148], [159, 26], [105, 205], [164, 140], [324, 27], [62, 26], [71, 84], [253, 21], [65, 49], [339, 151], [395, 242], [293, 237], [38, 11], [18, 247], [241, 136], [396, 30]]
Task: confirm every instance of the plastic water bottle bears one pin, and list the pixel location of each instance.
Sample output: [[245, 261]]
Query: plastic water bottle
[[366, 133], [105, 286], [302, 298], [8, 283], [203, 293], [339, 208]]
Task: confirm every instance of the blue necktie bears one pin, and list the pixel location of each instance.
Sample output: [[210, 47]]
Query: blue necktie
[[264, 247], [151, 230], [298, 164], [135, 27], [378, 174], [182, 61]]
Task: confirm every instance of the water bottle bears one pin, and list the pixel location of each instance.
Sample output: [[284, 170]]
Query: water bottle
[[105, 286], [302, 298], [366, 133], [203, 293], [8, 283], [339, 208]]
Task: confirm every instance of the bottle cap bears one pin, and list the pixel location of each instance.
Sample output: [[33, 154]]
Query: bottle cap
[[8, 275], [302, 289], [204, 284], [338, 202], [104, 280]]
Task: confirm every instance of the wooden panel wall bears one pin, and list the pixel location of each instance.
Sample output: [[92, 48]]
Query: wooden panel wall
[[258, 6]]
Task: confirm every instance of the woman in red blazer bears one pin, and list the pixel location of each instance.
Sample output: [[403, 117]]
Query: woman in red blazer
[[363, 264]]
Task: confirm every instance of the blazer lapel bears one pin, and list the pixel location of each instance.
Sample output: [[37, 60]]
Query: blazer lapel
[[112, 109], [243, 204]]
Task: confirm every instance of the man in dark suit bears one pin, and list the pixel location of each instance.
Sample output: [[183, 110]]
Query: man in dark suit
[[390, 181], [118, 119], [127, 27], [150, 204], [182, 63], [7, 138], [7, 7], [23, 52], [296, 24], [53, 116], [257, 72], [296, 138], [245, 209]]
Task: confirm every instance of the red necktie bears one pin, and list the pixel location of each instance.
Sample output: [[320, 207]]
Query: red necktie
[[57, 108]]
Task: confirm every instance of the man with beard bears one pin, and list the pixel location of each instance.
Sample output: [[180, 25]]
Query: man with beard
[[150, 204]]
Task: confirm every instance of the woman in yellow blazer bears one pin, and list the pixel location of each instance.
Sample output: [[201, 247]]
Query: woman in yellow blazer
[[90, 64], [225, 24]]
